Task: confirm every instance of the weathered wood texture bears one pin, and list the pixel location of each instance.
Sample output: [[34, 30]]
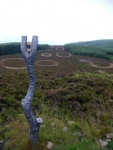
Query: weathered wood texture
[[27, 101]]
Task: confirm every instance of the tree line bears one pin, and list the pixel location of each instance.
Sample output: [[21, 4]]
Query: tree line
[[89, 51], [15, 47]]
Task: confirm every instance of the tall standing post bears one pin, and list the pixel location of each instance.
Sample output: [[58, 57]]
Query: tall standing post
[[29, 57]]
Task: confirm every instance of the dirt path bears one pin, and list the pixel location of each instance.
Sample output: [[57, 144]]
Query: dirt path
[[54, 48], [93, 65], [3, 60], [60, 48], [55, 63], [46, 54], [92, 62], [57, 54]]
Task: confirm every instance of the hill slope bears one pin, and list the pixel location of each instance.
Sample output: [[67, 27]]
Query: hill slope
[[91, 51], [106, 44]]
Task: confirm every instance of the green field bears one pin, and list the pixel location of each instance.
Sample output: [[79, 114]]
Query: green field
[[72, 95]]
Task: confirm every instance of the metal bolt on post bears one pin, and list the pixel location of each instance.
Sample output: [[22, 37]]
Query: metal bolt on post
[[26, 103]]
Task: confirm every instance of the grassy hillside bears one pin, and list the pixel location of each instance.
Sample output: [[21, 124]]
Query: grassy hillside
[[106, 44], [74, 98]]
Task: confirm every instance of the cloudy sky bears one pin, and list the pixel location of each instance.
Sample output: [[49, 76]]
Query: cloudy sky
[[56, 21]]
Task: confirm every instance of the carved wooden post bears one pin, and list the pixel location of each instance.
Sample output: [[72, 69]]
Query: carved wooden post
[[26, 103]]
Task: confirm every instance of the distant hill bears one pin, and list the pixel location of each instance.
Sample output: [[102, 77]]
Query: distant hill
[[106, 44]]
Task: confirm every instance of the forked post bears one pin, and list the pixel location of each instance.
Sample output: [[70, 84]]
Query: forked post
[[26, 103]]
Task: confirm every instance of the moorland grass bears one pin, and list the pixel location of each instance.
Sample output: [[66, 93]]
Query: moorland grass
[[78, 93], [52, 130]]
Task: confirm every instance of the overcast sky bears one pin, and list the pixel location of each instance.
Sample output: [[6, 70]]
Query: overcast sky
[[56, 21]]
